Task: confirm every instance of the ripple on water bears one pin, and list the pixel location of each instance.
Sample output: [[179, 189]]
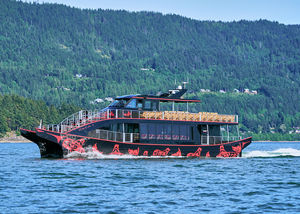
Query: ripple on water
[[267, 182]]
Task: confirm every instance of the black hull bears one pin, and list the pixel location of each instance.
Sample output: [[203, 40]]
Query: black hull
[[57, 145], [48, 149]]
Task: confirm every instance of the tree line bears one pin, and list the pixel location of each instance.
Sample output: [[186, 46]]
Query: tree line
[[44, 46]]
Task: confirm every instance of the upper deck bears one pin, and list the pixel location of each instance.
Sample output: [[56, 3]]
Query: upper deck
[[85, 117], [144, 107]]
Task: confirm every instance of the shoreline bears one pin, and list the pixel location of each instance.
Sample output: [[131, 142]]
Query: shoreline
[[24, 140], [13, 138], [277, 141]]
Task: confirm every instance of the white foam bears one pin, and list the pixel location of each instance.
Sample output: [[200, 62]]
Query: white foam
[[91, 155], [276, 153]]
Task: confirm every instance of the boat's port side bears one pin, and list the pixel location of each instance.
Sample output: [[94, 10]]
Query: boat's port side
[[144, 125], [81, 144]]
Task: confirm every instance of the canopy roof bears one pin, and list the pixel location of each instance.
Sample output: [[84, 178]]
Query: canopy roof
[[172, 96]]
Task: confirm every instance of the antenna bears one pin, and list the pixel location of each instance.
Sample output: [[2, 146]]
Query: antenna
[[184, 83]]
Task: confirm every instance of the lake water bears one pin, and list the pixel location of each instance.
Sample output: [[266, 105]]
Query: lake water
[[265, 179]]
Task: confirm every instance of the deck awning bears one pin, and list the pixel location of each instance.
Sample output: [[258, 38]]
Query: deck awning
[[161, 99]]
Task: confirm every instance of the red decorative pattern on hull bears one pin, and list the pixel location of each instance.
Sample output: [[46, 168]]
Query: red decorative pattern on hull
[[158, 152], [178, 153], [95, 149], [134, 151], [195, 154], [116, 150], [223, 153], [237, 149], [74, 145]]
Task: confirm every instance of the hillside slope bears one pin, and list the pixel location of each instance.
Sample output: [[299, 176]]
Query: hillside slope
[[44, 46]]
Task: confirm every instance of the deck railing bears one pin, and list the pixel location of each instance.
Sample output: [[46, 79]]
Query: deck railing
[[218, 139], [135, 137], [109, 135], [84, 117]]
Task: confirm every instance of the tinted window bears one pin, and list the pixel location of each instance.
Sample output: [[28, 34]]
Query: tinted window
[[154, 106], [131, 127], [167, 132], [132, 104], [183, 132], [175, 132], [144, 131], [160, 132], [147, 104], [152, 131], [140, 104], [192, 133]]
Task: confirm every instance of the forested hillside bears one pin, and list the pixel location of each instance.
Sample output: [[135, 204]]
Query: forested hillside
[[19, 112], [61, 55]]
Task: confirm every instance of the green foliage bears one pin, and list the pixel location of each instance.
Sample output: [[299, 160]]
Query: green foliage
[[19, 112], [44, 46]]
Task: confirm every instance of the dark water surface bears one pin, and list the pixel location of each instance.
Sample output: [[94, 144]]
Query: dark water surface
[[266, 179]]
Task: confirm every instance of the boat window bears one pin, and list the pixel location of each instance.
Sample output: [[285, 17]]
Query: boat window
[[175, 132], [152, 131], [140, 104], [214, 130], [192, 133], [147, 104], [132, 104], [131, 127], [184, 132], [117, 103], [167, 132], [160, 132], [144, 131], [154, 106]]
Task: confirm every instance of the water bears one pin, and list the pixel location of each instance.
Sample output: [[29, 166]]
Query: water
[[266, 179]]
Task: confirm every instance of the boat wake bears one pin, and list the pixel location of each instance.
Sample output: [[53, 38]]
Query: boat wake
[[92, 155], [283, 152]]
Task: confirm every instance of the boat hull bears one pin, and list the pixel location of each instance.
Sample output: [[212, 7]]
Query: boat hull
[[57, 145], [48, 149]]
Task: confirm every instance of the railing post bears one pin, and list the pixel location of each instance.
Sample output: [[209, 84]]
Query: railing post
[[207, 131], [131, 137], [227, 133], [163, 115]]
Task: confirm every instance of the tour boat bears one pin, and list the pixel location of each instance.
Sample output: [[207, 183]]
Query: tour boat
[[143, 125]]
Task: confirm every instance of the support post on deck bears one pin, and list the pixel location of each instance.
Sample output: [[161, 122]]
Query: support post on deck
[[207, 131], [227, 133]]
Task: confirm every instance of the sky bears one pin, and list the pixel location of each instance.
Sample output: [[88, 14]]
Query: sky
[[282, 11]]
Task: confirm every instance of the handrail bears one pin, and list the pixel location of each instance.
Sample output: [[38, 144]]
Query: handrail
[[111, 136], [84, 117], [135, 137]]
